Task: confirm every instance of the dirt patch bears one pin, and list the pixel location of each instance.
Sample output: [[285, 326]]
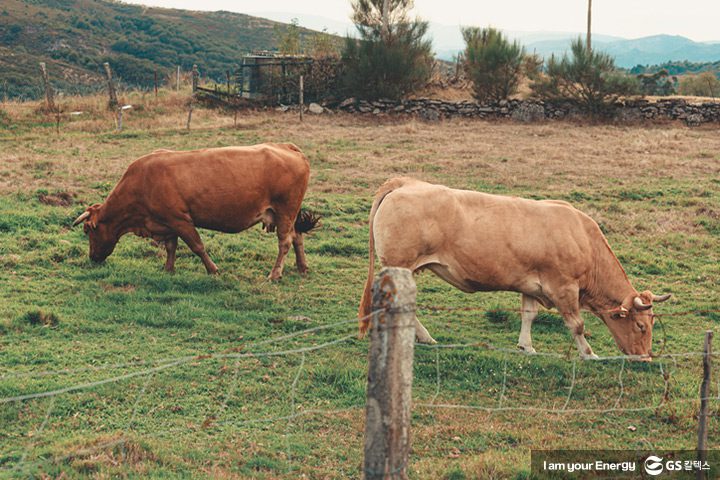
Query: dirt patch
[[118, 288], [59, 199], [105, 453]]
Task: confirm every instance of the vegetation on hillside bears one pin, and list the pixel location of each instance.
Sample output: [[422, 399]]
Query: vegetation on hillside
[[705, 84], [679, 68], [75, 37]]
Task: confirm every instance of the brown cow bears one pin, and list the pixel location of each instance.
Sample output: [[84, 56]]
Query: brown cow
[[553, 254], [167, 194]]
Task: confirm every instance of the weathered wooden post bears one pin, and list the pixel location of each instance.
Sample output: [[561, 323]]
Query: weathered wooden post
[[704, 394], [156, 83], [49, 101], [192, 95], [227, 76], [113, 102], [390, 375], [302, 96], [177, 79], [195, 78]]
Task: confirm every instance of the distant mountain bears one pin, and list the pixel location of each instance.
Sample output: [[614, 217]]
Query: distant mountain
[[644, 51], [74, 38], [447, 41]]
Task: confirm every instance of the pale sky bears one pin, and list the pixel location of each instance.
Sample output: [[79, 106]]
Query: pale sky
[[695, 19]]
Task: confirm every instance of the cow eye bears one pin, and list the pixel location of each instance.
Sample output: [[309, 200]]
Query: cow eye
[[641, 326]]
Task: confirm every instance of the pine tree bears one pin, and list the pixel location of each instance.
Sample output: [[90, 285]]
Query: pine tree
[[494, 64], [392, 57]]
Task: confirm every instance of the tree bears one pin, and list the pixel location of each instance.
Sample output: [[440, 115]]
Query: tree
[[323, 45], [588, 42], [704, 85], [392, 57], [289, 42], [588, 77], [494, 65]]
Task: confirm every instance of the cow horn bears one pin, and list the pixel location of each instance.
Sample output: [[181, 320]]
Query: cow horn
[[661, 298], [639, 305], [82, 217]]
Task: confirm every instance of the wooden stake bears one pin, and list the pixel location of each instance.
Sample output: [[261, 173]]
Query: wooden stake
[[704, 397], [177, 79], [302, 96], [113, 101], [390, 375], [49, 101]]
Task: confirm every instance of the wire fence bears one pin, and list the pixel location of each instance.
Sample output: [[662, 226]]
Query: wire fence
[[666, 364]]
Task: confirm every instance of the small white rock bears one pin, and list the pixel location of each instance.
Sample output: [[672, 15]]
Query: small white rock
[[316, 109]]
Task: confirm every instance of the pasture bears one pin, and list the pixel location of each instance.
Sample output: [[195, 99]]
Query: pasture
[[655, 191]]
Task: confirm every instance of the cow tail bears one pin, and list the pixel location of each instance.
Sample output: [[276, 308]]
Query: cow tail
[[306, 221], [366, 302]]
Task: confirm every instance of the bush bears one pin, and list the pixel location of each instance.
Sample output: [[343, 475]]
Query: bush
[[391, 58], [492, 63], [704, 85], [656, 83], [587, 77]]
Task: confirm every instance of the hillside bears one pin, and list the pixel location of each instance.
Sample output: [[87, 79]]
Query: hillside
[[74, 37]]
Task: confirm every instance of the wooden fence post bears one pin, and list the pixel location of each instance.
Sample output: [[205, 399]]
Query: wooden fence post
[[704, 394], [390, 375], [156, 83], [302, 96], [49, 101], [192, 95], [177, 79], [195, 78], [113, 102]]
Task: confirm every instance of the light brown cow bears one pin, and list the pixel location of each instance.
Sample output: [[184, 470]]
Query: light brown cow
[[553, 254], [167, 194]]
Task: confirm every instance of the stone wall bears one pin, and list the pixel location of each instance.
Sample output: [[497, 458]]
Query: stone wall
[[531, 110]]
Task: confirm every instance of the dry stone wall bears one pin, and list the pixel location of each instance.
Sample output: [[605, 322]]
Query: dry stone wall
[[532, 110]]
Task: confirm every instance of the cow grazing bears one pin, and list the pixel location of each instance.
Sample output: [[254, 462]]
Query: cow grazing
[[167, 194], [551, 253]]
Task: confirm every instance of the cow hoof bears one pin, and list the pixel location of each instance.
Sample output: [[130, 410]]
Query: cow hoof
[[591, 356], [526, 349], [274, 278]]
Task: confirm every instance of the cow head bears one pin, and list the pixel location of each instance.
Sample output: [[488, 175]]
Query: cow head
[[632, 322], [100, 233]]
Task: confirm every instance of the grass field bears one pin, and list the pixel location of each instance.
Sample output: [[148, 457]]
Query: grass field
[[655, 191]]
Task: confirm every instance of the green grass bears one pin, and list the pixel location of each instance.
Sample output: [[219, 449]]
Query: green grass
[[203, 418]]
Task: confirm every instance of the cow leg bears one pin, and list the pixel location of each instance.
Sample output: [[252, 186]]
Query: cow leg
[[299, 248], [284, 233], [421, 333], [568, 305], [170, 247], [190, 236], [528, 315]]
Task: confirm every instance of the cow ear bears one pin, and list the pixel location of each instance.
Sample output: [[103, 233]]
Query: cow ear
[[94, 211], [619, 313]]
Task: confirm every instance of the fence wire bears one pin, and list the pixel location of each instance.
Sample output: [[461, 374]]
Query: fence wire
[[164, 364]]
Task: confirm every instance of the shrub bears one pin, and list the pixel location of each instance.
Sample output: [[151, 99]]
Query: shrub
[[392, 57], [492, 63], [656, 83], [704, 85], [586, 77]]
